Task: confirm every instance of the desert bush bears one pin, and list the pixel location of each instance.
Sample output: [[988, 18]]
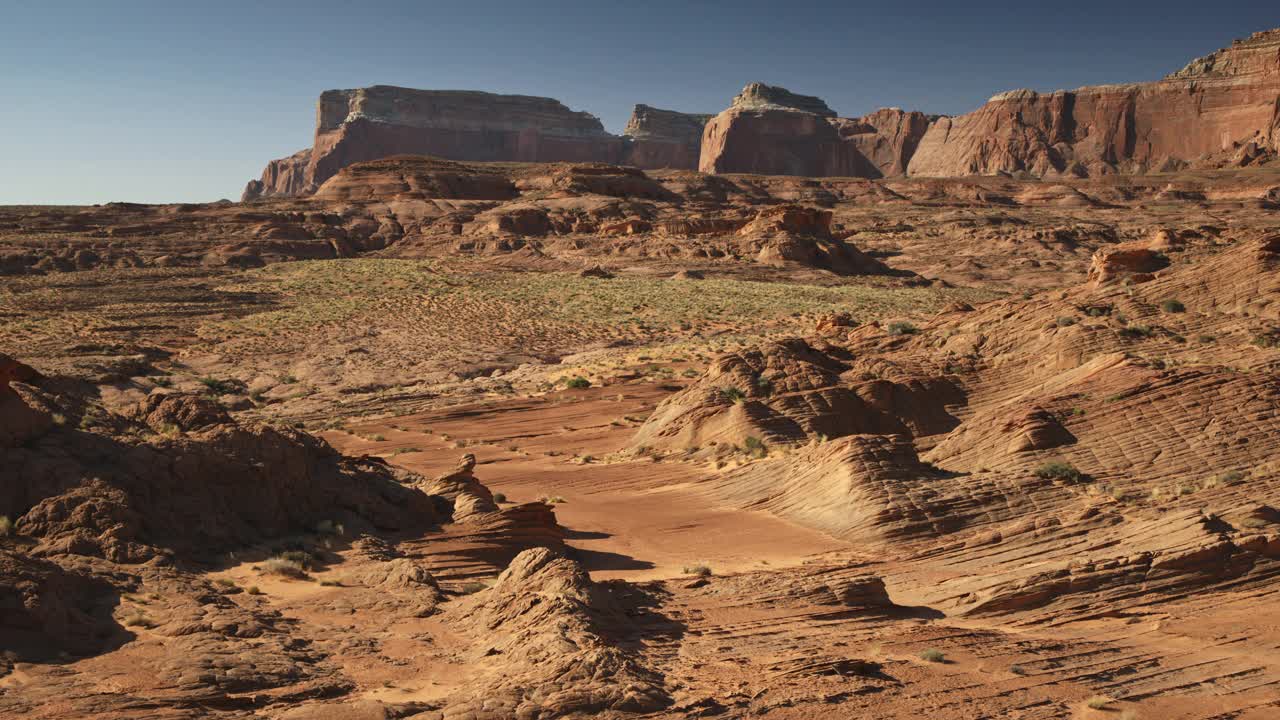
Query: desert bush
[[1066, 321], [552, 499], [138, 619], [253, 590], [902, 328], [218, 387], [1173, 306], [499, 498], [1231, 478], [1097, 702], [1058, 470], [732, 394], [755, 446], [577, 383], [472, 587], [6, 526], [931, 655], [699, 570], [1137, 331], [282, 565]]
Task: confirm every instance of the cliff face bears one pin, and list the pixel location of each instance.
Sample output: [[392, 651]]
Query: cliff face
[[1223, 108], [370, 123], [772, 131], [664, 138], [382, 121]]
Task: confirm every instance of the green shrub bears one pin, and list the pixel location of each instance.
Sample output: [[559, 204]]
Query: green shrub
[[934, 656], [902, 328], [1066, 321], [499, 498], [1173, 306], [218, 387], [577, 383], [1137, 331], [764, 386], [732, 394], [755, 446], [1058, 470]]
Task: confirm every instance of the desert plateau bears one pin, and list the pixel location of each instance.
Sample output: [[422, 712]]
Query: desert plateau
[[474, 410]]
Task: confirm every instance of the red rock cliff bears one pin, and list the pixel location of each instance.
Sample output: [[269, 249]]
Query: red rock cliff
[[382, 121], [772, 131], [664, 138], [1223, 108]]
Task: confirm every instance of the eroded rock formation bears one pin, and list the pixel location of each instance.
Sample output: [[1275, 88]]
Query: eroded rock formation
[[772, 131], [381, 121], [1222, 109]]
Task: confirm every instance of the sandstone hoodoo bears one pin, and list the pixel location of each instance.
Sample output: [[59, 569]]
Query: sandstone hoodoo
[[1221, 109], [773, 131]]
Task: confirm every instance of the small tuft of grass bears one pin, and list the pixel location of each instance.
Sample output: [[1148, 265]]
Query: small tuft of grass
[[1173, 306], [472, 588], [253, 590], [225, 582], [698, 570], [6, 526], [1017, 670], [755, 447], [552, 499], [1058, 470], [1097, 702], [1066, 321], [732, 394], [933, 656]]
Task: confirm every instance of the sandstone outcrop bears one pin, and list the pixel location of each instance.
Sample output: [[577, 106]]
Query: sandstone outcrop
[[664, 138], [199, 483], [772, 131], [559, 637], [382, 121], [1221, 109]]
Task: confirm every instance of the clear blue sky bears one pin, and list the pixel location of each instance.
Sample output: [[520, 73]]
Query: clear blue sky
[[186, 101]]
